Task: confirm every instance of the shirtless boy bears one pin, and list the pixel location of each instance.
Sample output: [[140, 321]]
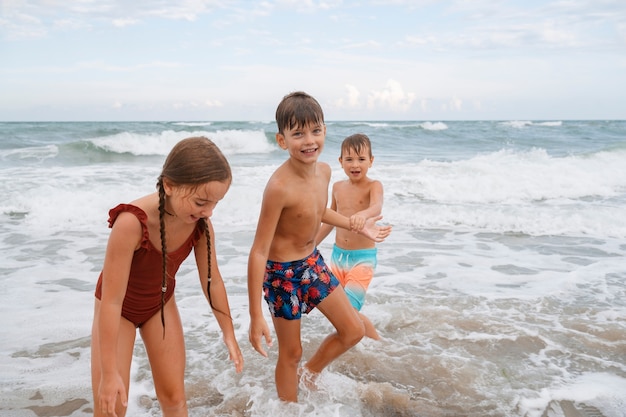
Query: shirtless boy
[[359, 197], [284, 263]]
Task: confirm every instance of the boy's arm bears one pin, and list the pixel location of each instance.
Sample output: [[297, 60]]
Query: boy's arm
[[375, 208], [271, 208], [376, 201], [324, 231], [326, 228], [371, 230]]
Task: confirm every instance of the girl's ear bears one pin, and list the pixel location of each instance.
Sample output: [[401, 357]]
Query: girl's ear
[[167, 187], [280, 139]]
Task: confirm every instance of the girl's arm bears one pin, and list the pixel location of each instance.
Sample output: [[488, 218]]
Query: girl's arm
[[124, 239], [218, 296]]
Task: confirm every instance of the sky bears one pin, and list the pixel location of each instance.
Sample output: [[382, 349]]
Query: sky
[[211, 60]]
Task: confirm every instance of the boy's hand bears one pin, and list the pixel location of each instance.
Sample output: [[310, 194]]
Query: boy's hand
[[374, 232], [258, 329], [357, 223]]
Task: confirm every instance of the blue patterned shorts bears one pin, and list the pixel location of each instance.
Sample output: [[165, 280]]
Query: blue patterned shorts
[[296, 287]]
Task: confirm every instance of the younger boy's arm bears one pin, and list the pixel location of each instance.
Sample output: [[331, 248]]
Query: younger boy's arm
[[376, 201], [371, 230], [375, 208]]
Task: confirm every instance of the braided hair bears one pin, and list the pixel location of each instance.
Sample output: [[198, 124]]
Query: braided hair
[[192, 162]]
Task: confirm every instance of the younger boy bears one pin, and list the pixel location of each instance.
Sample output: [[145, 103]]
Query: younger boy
[[284, 262], [353, 258]]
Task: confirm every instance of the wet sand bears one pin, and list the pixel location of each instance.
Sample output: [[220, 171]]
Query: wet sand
[[45, 406]]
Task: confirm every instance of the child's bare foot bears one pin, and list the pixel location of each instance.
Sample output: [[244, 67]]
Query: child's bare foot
[[307, 378]]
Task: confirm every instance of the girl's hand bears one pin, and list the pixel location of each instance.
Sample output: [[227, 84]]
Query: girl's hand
[[110, 388], [234, 353]]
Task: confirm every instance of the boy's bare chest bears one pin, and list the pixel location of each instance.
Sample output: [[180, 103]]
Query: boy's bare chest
[[352, 199], [307, 202]]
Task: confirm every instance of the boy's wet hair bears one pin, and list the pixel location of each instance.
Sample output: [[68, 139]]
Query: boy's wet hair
[[191, 163], [296, 110], [357, 143]]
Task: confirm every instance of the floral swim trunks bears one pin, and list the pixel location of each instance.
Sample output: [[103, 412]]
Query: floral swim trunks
[[296, 287]]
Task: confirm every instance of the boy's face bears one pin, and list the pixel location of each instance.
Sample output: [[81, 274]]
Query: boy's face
[[304, 143], [354, 164]]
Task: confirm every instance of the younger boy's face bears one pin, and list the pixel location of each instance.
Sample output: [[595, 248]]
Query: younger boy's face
[[304, 143], [354, 164]]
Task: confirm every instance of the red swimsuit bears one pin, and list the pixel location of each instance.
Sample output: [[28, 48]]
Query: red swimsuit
[[143, 294]]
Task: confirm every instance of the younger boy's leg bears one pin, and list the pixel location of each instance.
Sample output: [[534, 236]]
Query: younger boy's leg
[[350, 330], [370, 330], [289, 355], [355, 282]]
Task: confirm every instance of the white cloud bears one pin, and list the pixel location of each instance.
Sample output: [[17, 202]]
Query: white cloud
[[391, 97], [474, 58], [125, 22], [456, 103], [351, 100], [213, 103]]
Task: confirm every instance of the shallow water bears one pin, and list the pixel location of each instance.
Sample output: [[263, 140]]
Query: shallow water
[[501, 291]]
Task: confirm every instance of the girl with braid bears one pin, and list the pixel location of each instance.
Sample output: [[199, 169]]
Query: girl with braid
[[150, 238]]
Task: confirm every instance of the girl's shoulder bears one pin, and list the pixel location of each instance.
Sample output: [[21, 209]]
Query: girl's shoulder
[[132, 209]]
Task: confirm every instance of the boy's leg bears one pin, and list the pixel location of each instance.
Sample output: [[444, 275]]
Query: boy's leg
[[289, 355], [167, 359], [350, 330], [355, 282], [370, 330]]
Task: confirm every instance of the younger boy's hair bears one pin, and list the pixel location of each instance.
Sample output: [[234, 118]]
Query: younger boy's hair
[[297, 110], [357, 142]]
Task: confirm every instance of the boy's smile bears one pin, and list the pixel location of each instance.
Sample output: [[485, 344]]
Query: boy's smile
[[304, 143]]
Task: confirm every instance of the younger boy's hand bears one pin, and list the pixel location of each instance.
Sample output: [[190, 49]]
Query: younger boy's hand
[[374, 232], [258, 329], [357, 223]]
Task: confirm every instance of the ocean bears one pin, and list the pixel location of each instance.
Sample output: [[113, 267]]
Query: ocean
[[500, 292]]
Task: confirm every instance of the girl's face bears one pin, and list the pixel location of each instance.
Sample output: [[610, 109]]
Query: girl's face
[[193, 203]]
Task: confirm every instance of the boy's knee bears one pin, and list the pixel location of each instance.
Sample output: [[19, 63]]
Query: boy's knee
[[354, 335], [293, 354]]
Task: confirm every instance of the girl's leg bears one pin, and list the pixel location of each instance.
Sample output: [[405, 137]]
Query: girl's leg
[[350, 330], [167, 359], [289, 355], [125, 346]]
